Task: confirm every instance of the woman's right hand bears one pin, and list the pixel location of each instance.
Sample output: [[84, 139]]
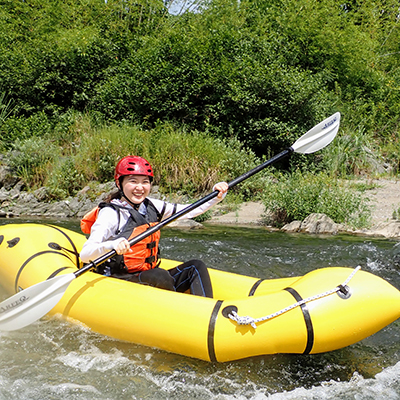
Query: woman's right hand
[[123, 247]]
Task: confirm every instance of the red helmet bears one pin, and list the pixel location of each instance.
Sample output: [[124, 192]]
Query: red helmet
[[133, 165]]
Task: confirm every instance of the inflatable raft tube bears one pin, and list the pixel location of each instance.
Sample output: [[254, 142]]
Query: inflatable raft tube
[[324, 310]]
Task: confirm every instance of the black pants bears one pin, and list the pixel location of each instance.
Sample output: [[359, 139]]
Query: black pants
[[191, 275]]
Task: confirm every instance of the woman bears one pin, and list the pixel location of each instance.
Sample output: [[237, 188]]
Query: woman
[[127, 213]]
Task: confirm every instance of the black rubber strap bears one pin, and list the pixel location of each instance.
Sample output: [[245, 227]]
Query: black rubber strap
[[211, 331], [255, 287], [307, 320]]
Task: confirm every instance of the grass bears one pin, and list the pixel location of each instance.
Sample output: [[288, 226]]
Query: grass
[[297, 195], [187, 164], [353, 153]]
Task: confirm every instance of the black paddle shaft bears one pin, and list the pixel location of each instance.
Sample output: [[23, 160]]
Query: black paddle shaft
[[184, 211]]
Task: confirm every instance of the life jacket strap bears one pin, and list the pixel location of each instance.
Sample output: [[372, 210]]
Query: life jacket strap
[[150, 259]]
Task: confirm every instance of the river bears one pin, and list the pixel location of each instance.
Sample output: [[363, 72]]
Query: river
[[53, 359]]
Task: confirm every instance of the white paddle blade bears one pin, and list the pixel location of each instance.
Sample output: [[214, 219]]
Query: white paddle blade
[[319, 136], [33, 303]]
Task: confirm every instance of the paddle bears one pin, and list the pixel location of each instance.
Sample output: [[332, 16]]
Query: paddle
[[34, 302]]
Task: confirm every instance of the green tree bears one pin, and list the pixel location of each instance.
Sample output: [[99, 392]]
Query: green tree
[[262, 71]]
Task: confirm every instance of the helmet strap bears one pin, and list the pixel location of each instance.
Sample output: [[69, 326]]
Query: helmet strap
[[121, 191]]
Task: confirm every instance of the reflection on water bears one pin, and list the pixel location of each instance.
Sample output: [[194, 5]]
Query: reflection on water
[[53, 359]]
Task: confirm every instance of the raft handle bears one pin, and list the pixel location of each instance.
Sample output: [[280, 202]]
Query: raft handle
[[228, 310], [344, 292]]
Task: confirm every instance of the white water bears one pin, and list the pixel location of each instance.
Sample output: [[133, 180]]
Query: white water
[[53, 360], [385, 385]]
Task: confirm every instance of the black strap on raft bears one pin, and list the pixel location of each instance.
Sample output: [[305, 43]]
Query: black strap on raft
[[307, 320]]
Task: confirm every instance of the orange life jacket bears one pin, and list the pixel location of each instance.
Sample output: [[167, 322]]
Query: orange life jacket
[[144, 254]]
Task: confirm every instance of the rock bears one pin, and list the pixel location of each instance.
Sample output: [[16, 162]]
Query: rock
[[315, 223], [38, 209], [4, 195], [84, 192], [60, 210], [105, 189], [16, 202], [80, 206], [294, 226], [41, 194], [155, 193], [186, 224], [28, 199], [13, 194], [74, 205], [319, 223], [4, 214], [7, 179], [20, 186], [248, 214], [385, 229], [86, 207]]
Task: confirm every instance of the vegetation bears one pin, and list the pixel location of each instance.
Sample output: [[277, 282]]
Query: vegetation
[[187, 162], [204, 95], [295, 196]]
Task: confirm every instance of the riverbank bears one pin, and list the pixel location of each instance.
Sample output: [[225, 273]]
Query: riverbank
[[384, 199]]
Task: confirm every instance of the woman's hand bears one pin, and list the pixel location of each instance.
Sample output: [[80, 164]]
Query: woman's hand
[[123, 247], [222, 188]]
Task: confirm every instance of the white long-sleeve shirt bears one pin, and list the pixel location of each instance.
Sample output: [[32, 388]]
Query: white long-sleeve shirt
[[107, 225]]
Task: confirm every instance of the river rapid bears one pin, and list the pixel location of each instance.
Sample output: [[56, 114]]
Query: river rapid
[[53, 359]]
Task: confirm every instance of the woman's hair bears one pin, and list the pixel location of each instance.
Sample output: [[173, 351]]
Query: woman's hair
[[117, 194], [113, 195]]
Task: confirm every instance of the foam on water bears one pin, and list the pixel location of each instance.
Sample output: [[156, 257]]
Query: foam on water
[[54, 359], [384, 386], [185, 382]]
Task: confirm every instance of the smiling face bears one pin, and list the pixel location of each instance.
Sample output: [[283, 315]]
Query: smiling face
[[136, 187]]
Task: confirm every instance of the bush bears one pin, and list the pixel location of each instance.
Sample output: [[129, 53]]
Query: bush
[[353, 153], [295, 196], [227, 83], [64, 179], [261, 72], [185, 163], [100, 148], [22, 128], [32, 159], [6, 107]]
